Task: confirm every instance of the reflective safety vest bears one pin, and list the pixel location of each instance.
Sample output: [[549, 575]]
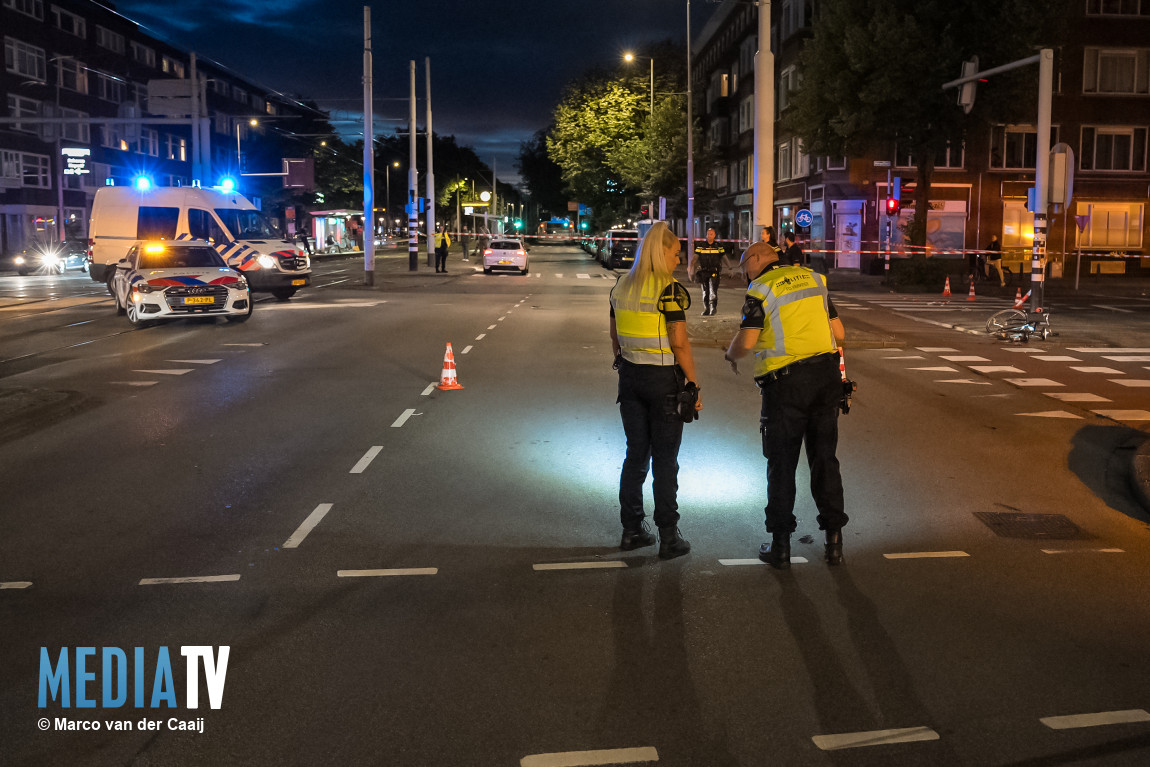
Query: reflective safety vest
[[710, 256], [643, 332], [797, 321]]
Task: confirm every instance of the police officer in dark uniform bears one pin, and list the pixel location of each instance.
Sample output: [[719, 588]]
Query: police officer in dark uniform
[[710, 259], [791, 326]]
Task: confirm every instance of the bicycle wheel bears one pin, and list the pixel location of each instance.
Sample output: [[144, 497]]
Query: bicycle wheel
[[1006, 321]]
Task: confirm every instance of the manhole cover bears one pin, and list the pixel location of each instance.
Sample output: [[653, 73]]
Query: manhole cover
[[1034, 526]]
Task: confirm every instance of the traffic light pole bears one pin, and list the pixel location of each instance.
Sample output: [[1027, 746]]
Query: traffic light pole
[[1045, 61]]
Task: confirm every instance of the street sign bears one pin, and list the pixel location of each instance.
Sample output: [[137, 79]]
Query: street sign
[[1082, 221], [76, 161], [882, 163], [1061, 189], [170, 98], [804, 218]]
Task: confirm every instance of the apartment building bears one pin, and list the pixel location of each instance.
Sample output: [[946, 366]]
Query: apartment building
[[81, 59], [1101, 109]]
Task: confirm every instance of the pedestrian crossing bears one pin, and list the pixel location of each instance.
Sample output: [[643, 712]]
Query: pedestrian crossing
[[1116, 391], [918, 304]]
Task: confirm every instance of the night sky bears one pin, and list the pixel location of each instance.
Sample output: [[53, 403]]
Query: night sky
[[497, 67]]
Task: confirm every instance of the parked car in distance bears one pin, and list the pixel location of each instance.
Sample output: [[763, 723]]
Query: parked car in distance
[[506, 255], [618, 251], [175, 279]]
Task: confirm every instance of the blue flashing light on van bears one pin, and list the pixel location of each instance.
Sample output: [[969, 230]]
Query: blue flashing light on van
[[142, 183], [227, 185]]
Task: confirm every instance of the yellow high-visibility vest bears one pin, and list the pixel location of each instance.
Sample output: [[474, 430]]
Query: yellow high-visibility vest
[[797, 321], [643, 332]]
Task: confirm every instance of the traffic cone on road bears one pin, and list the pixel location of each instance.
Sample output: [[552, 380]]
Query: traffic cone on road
[[970, 296], [1017, 297], [1020, 300], [448, 379], [946, 287]]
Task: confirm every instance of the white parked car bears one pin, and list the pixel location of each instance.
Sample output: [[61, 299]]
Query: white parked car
[[174, 279], [504, 253]]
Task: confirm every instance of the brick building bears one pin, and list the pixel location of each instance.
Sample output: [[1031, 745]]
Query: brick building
[[81, 59], [1101, 109]]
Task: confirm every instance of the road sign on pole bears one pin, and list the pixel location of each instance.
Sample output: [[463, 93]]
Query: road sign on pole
[[804, 218]]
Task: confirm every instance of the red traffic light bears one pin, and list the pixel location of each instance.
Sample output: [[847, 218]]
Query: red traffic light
[[892, 206]]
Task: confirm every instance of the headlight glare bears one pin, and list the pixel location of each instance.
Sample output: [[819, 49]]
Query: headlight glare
[[267, 262]]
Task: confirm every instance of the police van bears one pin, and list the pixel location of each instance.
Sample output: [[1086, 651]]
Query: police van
[[241, 234]]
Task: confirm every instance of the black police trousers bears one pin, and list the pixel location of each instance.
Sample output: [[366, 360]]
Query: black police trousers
[[710, 282], [803, 407], [653, 437]]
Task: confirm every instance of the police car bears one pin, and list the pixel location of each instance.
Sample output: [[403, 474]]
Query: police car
[[173, 279]]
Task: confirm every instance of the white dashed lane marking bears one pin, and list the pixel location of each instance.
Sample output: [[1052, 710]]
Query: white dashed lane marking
[[466, 349], [386, 573], [935, 349], [430, 388], [745, 562], [196, 362], [1054, 358], [134, 383], [171, 372], [191, 579], [963, 358], [1075, 396], [1112, 308], [907, 357], [1083, 551], [1104, 371], [15, 584], [1052, 414], [1031, 382], [1131, 383], [995, 369], [1124, 415], [588, 758], [364, 462], [926, 555], [937, 370], [873, 738], [313, 519], [481, 336], [491, 327], [1095, 720], [608, 564], [1109, 350], [963, 381], [403, 418]]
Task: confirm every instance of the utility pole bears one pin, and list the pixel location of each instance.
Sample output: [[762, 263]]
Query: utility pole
[[763, 200], [368, 157], [412, 183], [430, 170], [690, 157]]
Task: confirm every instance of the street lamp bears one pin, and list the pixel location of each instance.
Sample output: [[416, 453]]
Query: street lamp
[[629, 57], [252, 122], [387, 171]]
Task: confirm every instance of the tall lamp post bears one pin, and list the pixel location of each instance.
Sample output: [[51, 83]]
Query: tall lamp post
[[239, 163], [629, 57], [387, 170]]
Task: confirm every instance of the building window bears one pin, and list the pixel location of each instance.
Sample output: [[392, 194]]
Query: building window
[[106, 38], [1014, 147], [1118, 8], [1112, 148], [143, 55], [718, 132], [950, 159], [10, 175], [172, 67], [177, 148], [837, 163], [34, 170], [1119, 71], [109, 88], [221, 87], [18, 106], [790, 20], [1112, 225], [71, 74], [258, 103], [783, 162], [149, 142], [802, 161], [271, 109], [239, 94], [69, 22], [25, 60], [747, 54], [747, 114], [80, 132], [33, 8], [221, 121]]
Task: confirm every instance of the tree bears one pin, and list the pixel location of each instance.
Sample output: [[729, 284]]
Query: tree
[[873, 71], [541, 175]]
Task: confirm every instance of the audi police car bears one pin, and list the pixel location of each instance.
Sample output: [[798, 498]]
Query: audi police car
[[174, 279]]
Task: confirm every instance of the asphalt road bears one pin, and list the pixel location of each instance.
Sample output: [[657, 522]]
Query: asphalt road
[[408, 576]]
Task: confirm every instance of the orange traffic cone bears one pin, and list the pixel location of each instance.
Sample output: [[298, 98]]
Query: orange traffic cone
[[1017, 297], [448, 379], [946, 287], [970, 296], [1020, 300]]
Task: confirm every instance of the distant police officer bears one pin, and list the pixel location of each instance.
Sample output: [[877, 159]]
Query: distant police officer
[[649, 338], [793, 330], [710, 260]]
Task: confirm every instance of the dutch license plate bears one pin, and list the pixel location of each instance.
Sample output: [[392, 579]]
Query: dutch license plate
[[504, 262], [298, 282], [199, 300]]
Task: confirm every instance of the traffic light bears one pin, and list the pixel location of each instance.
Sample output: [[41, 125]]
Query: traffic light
[[518, 224], [583, 225], [892, 206]]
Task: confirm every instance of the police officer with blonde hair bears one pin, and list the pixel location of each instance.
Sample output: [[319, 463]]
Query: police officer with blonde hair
[[793, 330], [649, 339]]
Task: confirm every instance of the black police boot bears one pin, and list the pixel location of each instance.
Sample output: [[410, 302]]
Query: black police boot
[[636, 538], [834, 547], [777, 553], [671, 543]]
